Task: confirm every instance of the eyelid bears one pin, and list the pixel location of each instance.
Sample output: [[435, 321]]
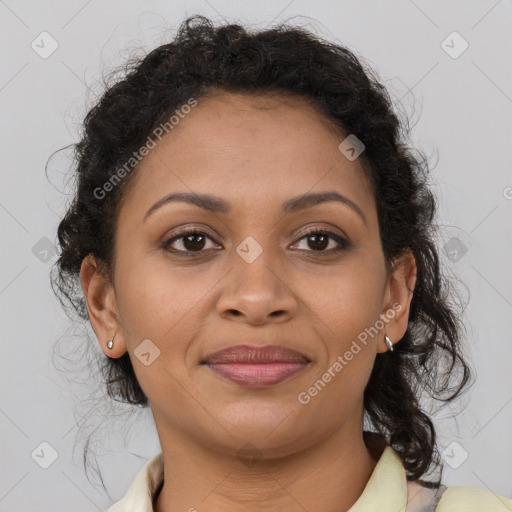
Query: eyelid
[[323, 229]]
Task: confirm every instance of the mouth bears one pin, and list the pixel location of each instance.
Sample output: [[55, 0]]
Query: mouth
[[256, 367]]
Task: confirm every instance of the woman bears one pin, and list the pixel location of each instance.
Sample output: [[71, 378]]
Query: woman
[[255, 245]]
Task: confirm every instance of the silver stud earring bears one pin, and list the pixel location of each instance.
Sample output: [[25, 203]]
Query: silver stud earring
[[389, 344], [110, 343]]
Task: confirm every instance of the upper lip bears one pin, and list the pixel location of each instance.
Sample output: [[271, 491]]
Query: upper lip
[[250, 354]]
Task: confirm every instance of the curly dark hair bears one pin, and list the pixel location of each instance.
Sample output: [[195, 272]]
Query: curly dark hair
[[283, 59]]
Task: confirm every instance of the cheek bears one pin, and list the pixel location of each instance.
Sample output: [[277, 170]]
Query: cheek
[[346, 304], [163, 306], [158, 302], [347, 309]]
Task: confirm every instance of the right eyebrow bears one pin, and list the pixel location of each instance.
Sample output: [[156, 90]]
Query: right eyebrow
[[208, 202]]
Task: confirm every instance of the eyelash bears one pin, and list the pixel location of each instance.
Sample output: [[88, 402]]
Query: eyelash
[[343, 244]]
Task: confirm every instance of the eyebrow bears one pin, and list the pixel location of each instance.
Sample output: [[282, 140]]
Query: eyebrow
[[216, 204]]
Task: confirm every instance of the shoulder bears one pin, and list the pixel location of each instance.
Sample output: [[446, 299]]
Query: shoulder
[[472, 499]]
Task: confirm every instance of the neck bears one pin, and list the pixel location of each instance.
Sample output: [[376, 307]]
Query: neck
[[327, 477]]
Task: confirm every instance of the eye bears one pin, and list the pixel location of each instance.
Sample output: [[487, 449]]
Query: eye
[[191, 241], [319, 240]]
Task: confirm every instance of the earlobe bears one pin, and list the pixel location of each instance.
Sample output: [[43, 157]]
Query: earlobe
[[112, 348], [100, 300]]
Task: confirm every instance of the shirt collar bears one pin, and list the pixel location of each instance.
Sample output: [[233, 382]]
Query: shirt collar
[[141, 492], [386, 490]]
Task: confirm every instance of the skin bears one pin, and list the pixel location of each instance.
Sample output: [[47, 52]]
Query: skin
[[255, 152]]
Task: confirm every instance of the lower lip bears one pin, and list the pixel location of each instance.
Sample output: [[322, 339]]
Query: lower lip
[[257, 375]]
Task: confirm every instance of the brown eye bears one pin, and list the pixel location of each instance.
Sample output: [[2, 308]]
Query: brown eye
[[194, 242], [187, 242], [324, 242], [318, 242]]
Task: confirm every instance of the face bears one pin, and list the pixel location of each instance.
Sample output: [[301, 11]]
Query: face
[[251, 275]]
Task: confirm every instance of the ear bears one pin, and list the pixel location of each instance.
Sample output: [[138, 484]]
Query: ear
[[397, 299], [101, 306]]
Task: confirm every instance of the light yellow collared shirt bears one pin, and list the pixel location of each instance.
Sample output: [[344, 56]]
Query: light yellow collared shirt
[[387, 490]]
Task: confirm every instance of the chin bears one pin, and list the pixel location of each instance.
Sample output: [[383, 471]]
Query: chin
[[274, 432]]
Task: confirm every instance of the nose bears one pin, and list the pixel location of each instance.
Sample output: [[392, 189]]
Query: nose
[[255, 293]]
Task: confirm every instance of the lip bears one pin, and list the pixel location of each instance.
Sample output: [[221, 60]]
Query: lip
[[256, 367]]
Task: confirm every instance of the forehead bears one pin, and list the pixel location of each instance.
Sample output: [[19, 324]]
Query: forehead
[[258, 146]]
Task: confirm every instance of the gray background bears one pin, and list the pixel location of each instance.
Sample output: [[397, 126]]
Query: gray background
[[462, 111]]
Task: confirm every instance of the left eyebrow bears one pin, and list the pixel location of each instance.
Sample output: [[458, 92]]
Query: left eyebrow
[[216, 204], [308, 200]]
